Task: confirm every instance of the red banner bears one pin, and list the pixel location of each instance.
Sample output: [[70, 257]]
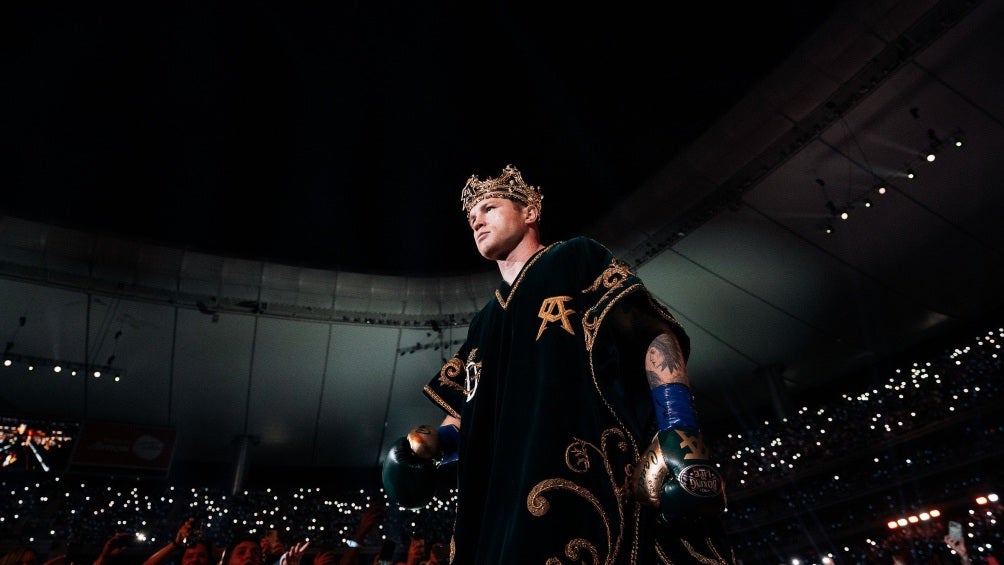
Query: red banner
[[106, 444]]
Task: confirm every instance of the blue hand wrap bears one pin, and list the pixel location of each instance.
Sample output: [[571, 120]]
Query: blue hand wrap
[[673, 407], [449, 443]]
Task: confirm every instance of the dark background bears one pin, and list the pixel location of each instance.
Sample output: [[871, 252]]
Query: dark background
[[338, 135]]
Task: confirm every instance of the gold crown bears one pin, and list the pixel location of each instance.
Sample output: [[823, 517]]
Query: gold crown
[[509, 185]]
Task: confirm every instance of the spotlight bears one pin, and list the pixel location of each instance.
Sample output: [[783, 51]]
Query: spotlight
[[57, 369], [828, 228], [910, 174], [844, 215], [930, 157], [867, 203], [881, 190]]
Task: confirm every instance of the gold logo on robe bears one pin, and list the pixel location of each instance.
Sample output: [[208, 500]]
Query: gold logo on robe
[[552, 310], [472, 374]]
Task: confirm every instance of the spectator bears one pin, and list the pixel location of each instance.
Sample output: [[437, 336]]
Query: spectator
[[416, 552], [243, 550], [193, 551], [27, 556], [370, 518], [113, 548], [959, 548]]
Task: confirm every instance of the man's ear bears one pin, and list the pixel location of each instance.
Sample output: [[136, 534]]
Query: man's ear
[[531, 214]]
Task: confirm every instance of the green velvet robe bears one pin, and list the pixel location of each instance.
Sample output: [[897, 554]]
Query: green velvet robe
[[554, 413]]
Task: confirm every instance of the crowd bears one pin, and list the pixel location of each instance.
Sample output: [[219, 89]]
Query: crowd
[[924, 421], [79, 522], [927, 434], [72, 515], [944, 387]]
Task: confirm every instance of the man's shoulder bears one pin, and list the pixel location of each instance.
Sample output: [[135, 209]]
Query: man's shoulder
[[582, 240], [579, 243], [581, 248]]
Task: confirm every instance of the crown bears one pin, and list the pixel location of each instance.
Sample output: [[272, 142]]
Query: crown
[[509, 185]]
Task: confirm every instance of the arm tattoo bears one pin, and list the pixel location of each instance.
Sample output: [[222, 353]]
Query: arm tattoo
[[664, 362]]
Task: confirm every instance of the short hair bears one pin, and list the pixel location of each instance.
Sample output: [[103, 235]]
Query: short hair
[[239, 539]]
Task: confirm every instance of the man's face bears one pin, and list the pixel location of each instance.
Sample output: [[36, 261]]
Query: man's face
[[198, 555], [245, 553], [499, 225]]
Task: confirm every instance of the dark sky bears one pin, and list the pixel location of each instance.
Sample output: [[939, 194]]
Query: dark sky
[[338, 134]]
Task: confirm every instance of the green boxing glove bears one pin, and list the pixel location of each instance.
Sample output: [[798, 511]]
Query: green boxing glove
[[409, 471], [676, 477], [410, 480]]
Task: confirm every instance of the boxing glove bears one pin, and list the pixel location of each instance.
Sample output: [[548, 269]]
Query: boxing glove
[[410, 480], [409, 471], [676, 476]]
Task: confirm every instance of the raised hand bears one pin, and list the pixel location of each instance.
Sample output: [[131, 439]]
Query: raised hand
[[294, 554]]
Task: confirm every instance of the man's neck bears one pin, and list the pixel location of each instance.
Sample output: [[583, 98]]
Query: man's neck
[[513, 263]]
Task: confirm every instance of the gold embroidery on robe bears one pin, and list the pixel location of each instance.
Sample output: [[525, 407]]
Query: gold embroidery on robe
[[449, 375], [504, 302], [612, 279], [579, 455]]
